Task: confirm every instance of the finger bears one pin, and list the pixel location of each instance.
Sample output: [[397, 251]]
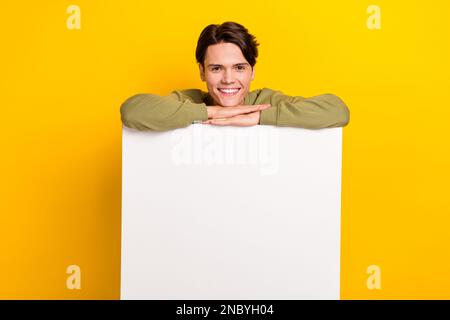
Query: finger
[[250, 108], [240, 110], [240, 121], [232, 111], [260, 107], [220, 122], [209, 121], [264, 106]]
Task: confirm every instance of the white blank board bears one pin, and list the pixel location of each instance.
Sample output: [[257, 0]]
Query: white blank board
[[213, 212]]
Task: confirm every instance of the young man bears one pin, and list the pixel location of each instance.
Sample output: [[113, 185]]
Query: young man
[[226, 55]]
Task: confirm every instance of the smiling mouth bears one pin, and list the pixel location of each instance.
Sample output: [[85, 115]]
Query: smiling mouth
[[229, 92]]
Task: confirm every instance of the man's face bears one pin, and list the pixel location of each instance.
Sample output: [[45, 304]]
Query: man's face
[[226, 67]]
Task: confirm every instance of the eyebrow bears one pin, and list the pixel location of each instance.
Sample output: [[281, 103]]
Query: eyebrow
[[237, 64]]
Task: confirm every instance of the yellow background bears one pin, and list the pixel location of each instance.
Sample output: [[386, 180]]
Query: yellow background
[[60, 136]]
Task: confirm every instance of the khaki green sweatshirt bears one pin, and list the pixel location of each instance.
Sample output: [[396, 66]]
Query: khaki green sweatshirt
[[183, 107]]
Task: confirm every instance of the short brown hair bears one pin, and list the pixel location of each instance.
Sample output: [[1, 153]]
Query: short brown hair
[[227, 32]]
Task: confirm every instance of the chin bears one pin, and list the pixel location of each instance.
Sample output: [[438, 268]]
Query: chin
[[230, 102]]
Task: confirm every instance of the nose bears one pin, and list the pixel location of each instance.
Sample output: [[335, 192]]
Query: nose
[[227, 77]]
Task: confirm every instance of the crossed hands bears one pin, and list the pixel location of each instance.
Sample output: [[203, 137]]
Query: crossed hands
[[241, 115]]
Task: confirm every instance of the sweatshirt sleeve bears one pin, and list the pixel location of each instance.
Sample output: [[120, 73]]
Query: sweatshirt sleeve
[[317, 112], [161, 113]]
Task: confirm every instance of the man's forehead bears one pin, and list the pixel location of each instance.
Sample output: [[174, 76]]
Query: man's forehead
[[224, 54]]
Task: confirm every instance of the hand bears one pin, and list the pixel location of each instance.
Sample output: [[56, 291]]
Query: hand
[[217, 112], [242, 120]]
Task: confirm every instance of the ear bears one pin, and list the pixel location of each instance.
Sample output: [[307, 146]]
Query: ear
[[253, 73], [202, 72]]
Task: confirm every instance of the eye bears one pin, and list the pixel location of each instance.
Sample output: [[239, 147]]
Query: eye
[[215, 68], [241, 67]]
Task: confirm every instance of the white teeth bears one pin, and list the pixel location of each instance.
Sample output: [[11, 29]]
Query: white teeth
[[229, 90]]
